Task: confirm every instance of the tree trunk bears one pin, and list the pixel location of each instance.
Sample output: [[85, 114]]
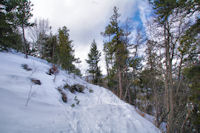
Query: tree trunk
[[120, 84], [129, 97], [25, 44], [168, 79], [167, 56], [171, 104]]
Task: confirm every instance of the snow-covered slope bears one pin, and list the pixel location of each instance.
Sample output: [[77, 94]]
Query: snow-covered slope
[[97, 112]]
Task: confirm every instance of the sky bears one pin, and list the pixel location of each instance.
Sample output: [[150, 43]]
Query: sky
[[86, 19]]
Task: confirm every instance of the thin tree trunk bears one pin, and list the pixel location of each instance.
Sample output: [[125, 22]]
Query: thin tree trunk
[[167, 56], [168, 79], [120, 84], [126, 92], [179, 75], [127, 88], [25, 44], [129, 97], [171, 99], [184, 122]]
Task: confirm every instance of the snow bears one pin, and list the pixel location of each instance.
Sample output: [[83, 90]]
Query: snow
[[97, 112], [147, 116]]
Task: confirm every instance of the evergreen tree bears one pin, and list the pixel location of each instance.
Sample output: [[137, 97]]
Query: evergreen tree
[[116, 50], [65, 52], [180, 42], [5, 28], [189, 44], [41, 44], [93, 60], [10, 37], [163, 10], [192, 74], [49, 48], [23, 16]]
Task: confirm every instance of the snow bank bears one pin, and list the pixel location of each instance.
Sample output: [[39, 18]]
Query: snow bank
[[97, 112]]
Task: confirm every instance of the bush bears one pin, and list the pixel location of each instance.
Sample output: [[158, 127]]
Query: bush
[[53, 70], [36, 81], [67, 86], [73, 105], [77, 101], [77, 88], [26, 67], [91, 91], [64, 96]]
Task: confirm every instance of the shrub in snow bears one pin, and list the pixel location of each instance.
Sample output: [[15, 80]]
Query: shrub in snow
[[36, 81], [74, 88], [66, 86], [53, 70], [59, 89], [91, 91], [77, 88], [64, 96], [77, 101], [73, 105], [26, 67]]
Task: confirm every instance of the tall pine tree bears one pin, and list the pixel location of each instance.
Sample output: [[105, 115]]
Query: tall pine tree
[[93, 60], [10, 37], [65, 52], [23, 16], [116, 50]]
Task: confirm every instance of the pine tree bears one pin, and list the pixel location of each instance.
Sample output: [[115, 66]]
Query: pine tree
[[192, 74], [5, 28], [23, 16], [116, 50], [10, 37], [65, 50], [179, 43], [93, 60], [164, 9], [41, 44], [49, 48]]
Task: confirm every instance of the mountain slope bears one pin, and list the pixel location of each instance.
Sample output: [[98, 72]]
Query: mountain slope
[[26, 107]]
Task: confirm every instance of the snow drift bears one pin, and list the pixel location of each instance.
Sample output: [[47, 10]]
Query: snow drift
[[26, 107]]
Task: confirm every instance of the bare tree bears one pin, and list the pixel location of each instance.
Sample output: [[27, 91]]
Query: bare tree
[[37, 32]]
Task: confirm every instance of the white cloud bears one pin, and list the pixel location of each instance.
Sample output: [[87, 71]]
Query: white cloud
[[85, 19]]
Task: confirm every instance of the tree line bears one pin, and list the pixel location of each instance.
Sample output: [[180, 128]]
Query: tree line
[[165, 81]]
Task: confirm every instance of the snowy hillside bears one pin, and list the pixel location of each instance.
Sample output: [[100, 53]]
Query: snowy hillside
[[26, 107]]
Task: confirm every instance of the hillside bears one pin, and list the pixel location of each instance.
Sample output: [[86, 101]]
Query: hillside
[[26, 107]]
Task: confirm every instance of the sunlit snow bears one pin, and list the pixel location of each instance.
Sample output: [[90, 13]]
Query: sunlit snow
[[97, 112]]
